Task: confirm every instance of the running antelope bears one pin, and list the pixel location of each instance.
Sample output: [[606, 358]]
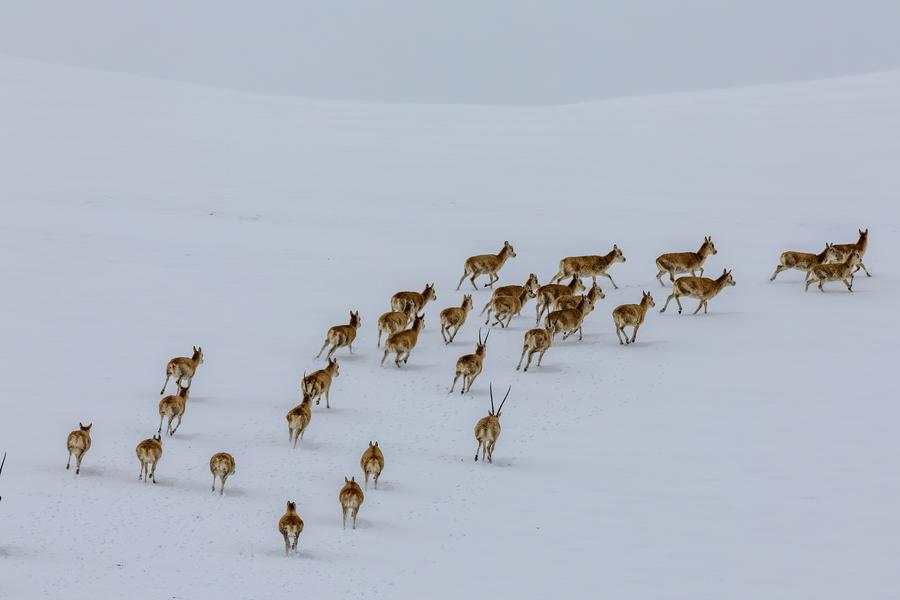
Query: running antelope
[[78, 443], [486, 264], [674, 263], [403, 342], [487, 430], [298, 418], [842, 271], [319, 382], [454, 317], [536, 340], [860, 246], [469, 366], [631, 315], [572, 300], [173, 407], [149, 452], [515, 290], [183, 368], [290, 526], [547, 295], [419, 300], [221, 465], [702, 288], [589, 266], [804, 261], [341, 335], [507, 307], [372, 463], [395, 320], [569, 320], [351, 498]]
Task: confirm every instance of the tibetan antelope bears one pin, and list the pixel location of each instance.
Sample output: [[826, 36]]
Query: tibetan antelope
[[860, 246], [469, 366], [631, 315], [403, 342], [341, 335], [298, 418], [173, 407], [351, 497], [842, 271], [454, 317], [804, 261], [78, 443], [372, 463], [290, 526], [537, 340], [702, 288], [547, 295], [221, 465], [486, 264], [183, 368], [487, 430], [419, 300], [572, 300], [514, 290], [507, 307], [675, 263], [569, 320], [589, 266], [396, 320], [319, 382], [149, 452]]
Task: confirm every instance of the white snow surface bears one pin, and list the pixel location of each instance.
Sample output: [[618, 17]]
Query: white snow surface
[[748, 453]]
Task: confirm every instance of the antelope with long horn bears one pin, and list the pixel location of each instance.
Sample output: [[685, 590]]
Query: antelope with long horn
[[514, 290], [631, 315], [221, 465], [454, 318], [149, 452], [702, 288], [403, 342], [842, 271], [589, 266], [183, 368], [487, 430], [507, 307], [844, 250], [675, 263], [318, 382], [537, 340], [395, 320], [372, 463], [298, 418], [290, 526], [569, 320], [486, 264], [547, 295], [469, 366], [78, 443], [804, 261], [419, 299], [341, 335], [351, 497]]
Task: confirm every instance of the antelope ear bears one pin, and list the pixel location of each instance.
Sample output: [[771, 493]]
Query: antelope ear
[[346, 480], [80, 424], [194, 348], [353, 479], [615, 246], [90, 425], [376, 444]]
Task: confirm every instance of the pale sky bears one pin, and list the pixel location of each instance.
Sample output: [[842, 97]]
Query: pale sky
[[462, 51]]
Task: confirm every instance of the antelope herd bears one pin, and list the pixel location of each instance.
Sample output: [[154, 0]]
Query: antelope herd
[[564, 305]]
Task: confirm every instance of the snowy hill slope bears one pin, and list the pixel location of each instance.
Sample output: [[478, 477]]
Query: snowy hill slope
[[747, 453]]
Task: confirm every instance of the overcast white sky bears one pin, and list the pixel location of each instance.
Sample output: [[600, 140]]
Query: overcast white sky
[[473, 51]]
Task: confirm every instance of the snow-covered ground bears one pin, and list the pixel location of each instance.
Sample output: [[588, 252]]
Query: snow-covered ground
[[748, 453]]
